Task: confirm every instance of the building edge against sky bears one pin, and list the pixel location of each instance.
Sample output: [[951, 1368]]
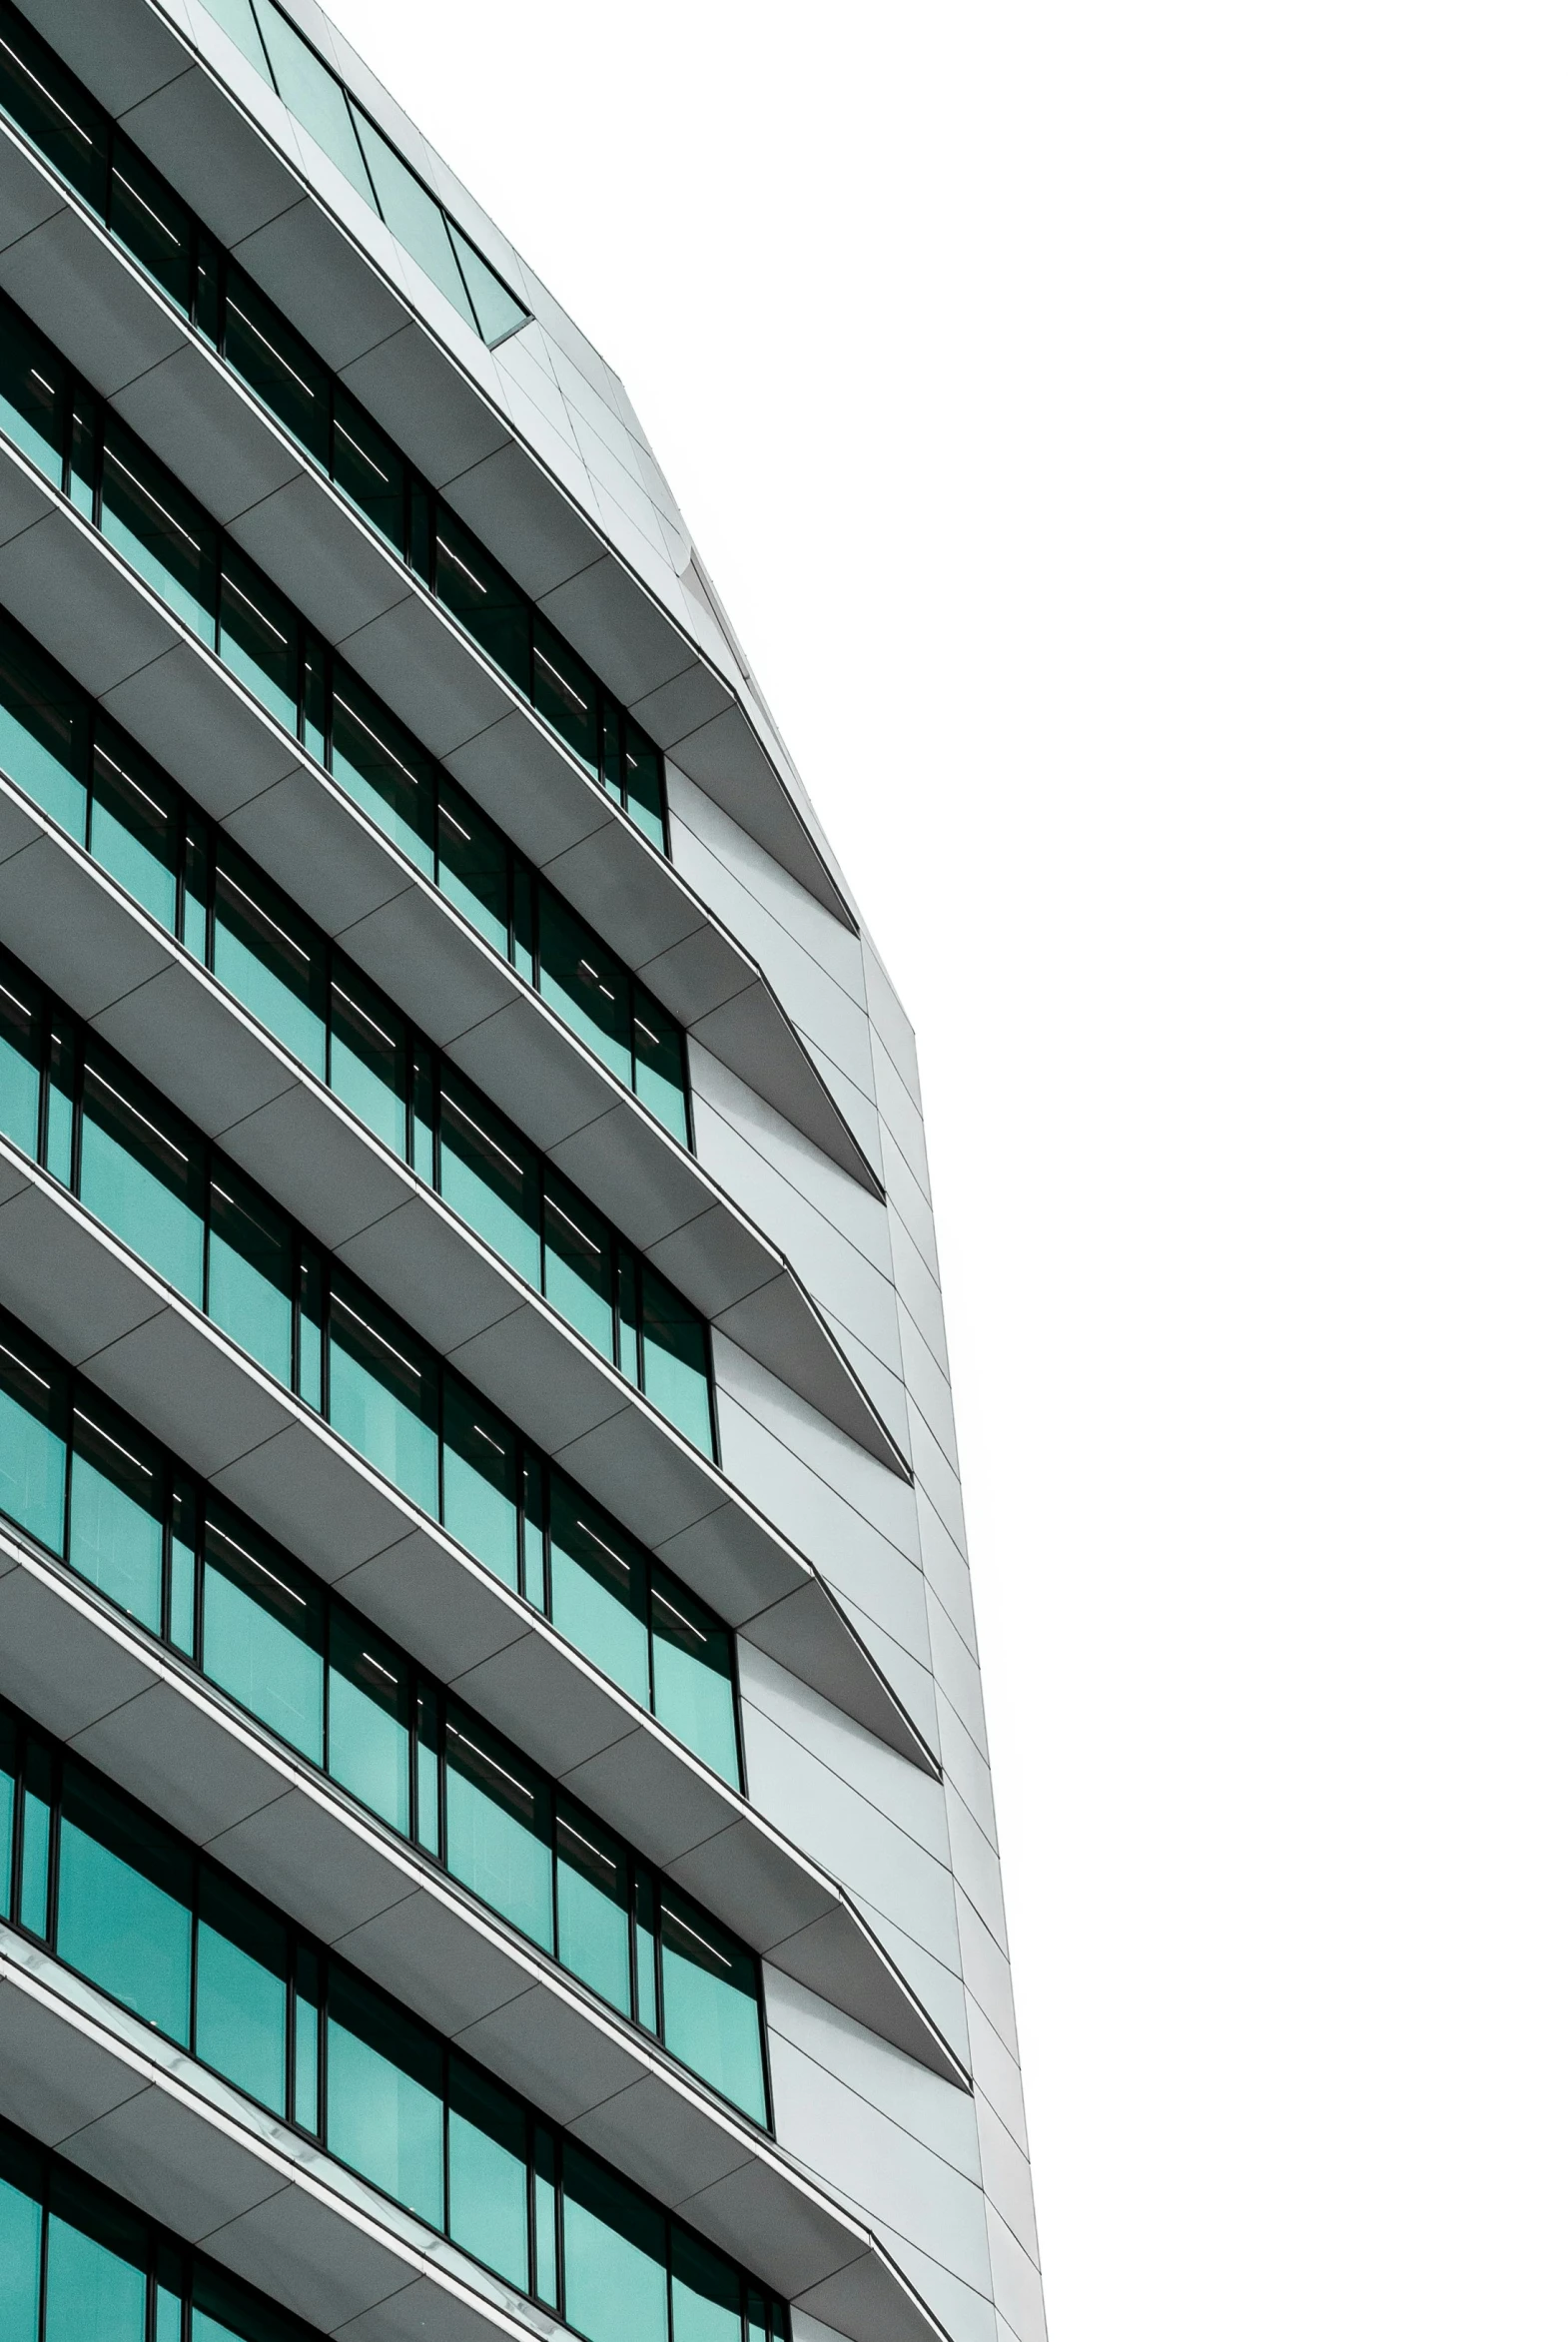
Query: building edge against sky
[[460, 1152]]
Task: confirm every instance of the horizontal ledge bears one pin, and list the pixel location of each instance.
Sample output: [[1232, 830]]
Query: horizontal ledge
[[85, 1295]]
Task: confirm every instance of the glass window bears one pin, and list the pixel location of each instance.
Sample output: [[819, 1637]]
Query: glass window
[[43, 732], [270, 958], [117, 1512], [660, 1076], [367, 1713], [599, 1589], [383, 2095], [481, 598], [704, 2291], [152, 222], [675, 1360], [162, 533], [480, 1481], [313, 96], [580, 1264], [615, 2276], [370, 1058], [32, 1440], [223, 2310], [712, 2015], [37, 1840], [473, 860], [263, 1633], [386, 772], [693, 1675], [21, 1059], [124, 1904], [51, 108], [136, 825], [97, 2267], [490, 1178], [497, 310], [242, 1990], [488, 2152], [546, 2217], [369, 469], [238, 22], [258, 637], [642, 782], [249, 1273], [585, 983], [499, 1828], [565, 693], [592, 1903], [384, 1395], [32, 387], [414, 216], [8, 1774], [141, 1174], [286, 374], [21, 2240]]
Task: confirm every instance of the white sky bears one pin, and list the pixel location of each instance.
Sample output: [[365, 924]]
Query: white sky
[[1130, 442]]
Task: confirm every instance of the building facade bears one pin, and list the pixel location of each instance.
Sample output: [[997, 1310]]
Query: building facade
[[495, 1829]]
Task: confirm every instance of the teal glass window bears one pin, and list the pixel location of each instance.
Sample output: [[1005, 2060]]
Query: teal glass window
[[263, 1633], [693, 1675], [499, 1828], [711, 2004], [308, 2041], [488, 2165], [480, 1481], [21, 2239], [547, 2220], [370, 1057], [414, 216], [565, 693], [472, 866], [585, 985], [270, 958], [315, 97], [383, 2095], [242, 1990], [136, 829], [382, 1395], [704, 2291], [117, 1512], [470, 583], [139, 1179], [42, 734], [124, 1904], [580, 1264], [249, 1273], [490, 1179], [642, 784], [32, 1440], [32, 399], [675, 1360], [599, 1589], [386, 772], [593, 1905], [286, 374], [9, 1759], [498, 312], [238, 22], [258, 637], [38, 1797], [163, 533], [148, 218], [368, 1711], [660, 1073], [370, 471], [21, 1068], [614, 2253], [97, 2267], [41, 100]]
